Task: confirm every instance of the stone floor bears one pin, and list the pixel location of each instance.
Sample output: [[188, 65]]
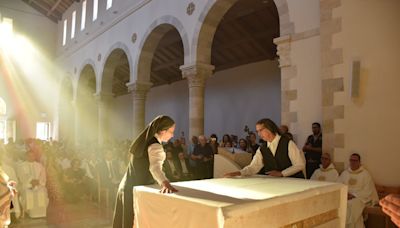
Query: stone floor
[[83, 215]]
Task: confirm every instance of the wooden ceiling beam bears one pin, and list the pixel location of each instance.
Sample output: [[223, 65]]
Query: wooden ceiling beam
[[50, 11]]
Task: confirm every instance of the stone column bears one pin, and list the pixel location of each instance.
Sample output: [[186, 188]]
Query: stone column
[[288, 73], [139, 92], [196, 76], [76, 122], [103, 105]]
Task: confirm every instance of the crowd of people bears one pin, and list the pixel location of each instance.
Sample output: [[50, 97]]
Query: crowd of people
[[50, 173]]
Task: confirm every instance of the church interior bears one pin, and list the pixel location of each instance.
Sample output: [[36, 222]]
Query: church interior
[[81, 79]]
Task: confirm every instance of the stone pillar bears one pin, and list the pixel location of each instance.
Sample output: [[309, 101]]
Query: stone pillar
[[103, 105], [196, 76], [75, 112], [139, 92], [288, 73]]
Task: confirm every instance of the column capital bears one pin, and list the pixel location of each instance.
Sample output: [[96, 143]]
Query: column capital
[[103, 96], [197, 73], [283, 50], [139, 89]]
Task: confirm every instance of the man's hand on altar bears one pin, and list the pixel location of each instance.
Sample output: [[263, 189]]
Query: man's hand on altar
[[166, 187], [232, 174], [274, 173]]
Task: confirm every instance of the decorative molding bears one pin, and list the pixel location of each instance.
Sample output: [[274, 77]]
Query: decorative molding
[[134, 37], [283, 50], [190, 8], [197, 74], [139, 89]]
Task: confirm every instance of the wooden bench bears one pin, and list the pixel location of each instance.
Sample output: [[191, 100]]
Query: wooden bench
[[377, 210]]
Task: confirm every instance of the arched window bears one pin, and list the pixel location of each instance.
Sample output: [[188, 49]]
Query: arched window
[[3, 111], [3, 107]]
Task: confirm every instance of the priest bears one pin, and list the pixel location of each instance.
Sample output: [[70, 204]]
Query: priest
[[361, 191], [327, 171], [33, 187]]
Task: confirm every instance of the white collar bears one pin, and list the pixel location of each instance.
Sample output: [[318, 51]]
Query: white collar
[[157, 137], [275, 141]]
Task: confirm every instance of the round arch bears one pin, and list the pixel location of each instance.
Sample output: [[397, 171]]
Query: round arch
[[110, 63], [147, 46], [210, 18]]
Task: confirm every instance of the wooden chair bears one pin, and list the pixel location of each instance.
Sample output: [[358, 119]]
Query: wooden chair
[[376, 209]]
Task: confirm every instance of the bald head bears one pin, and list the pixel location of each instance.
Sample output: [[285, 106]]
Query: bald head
[[326, 160]]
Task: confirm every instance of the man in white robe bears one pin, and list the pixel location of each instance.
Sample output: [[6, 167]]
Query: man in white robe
[[33, 187], [327, 171], [361, 191]]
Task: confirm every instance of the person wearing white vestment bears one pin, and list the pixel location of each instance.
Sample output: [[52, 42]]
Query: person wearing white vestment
[[361, 191], [7, 192], [327, 171], [33, 187]]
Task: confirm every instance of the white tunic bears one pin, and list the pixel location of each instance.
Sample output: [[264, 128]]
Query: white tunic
[[295, 155], [329, 174], [156, 159], [34, 199], [361, 185]]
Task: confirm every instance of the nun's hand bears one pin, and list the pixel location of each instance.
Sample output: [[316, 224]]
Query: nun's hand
[[166, 187]]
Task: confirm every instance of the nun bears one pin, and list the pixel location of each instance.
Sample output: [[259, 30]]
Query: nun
[[145, 167]]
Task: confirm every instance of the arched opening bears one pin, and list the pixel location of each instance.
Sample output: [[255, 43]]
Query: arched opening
[[65, 112], [3, 126], [117, 106], [169, 94], [86, 108], [246, 85]]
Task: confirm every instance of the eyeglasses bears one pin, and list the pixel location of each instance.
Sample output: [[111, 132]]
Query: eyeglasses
[[259, 130], [353, 160]]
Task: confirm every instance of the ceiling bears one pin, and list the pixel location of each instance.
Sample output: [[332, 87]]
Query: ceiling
[[52, 9], [245, 35]]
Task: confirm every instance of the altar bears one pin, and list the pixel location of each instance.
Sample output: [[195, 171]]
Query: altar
[[258, 201]]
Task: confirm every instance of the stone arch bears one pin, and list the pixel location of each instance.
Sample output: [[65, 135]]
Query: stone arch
[[110, 63], [85, 64], [86, 113], [210, 18], [149, 43]]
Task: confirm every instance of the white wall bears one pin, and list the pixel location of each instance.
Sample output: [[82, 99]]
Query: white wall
[[371, 33]]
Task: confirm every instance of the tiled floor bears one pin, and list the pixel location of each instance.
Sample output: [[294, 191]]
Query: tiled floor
[[82, 215]]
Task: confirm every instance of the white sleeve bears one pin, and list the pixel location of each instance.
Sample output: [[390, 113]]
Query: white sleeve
[[297, 159], [255, 166], [156, 159]]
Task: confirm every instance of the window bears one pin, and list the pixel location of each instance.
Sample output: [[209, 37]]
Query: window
[[109, 4], [73, 24], [43, 130], [6, 30], [95, 8], [65, 32], [3, 107], [83, 18], [2, 119]]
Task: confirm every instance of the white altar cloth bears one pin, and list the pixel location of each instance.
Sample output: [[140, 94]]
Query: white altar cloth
[[257, 201]]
